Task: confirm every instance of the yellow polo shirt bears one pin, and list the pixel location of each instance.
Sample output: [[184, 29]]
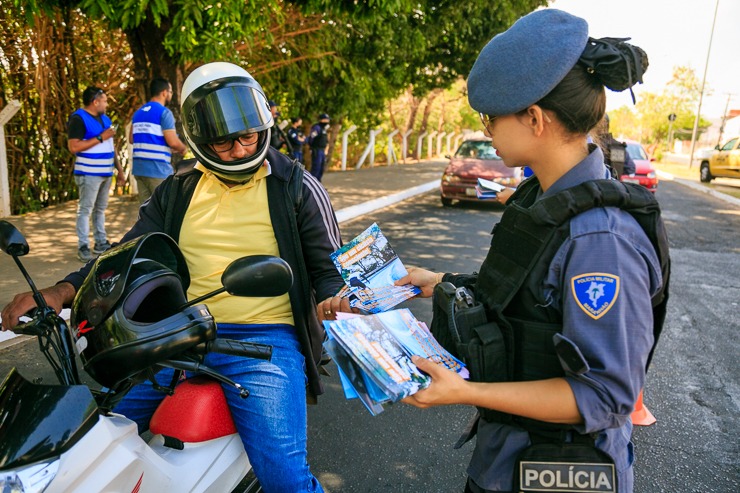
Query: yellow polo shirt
[[221, 225]]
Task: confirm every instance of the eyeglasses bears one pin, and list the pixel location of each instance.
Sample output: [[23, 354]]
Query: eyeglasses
[[486, 120], [228, 144]]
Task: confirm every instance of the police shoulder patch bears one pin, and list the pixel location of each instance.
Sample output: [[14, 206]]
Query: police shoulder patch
[[595, 292]]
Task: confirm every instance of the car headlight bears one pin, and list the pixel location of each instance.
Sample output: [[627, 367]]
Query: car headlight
[[651, 174], [507, 181], [448, 178], [31, 479]]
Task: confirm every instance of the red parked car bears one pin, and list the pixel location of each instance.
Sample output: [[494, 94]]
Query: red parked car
[[645, 172], [476, 158]]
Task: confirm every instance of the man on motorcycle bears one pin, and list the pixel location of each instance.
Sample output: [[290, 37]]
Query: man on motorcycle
[[237, 201]]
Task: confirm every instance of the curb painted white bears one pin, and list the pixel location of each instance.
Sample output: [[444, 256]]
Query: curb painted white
[[698, 187], [355, 211]]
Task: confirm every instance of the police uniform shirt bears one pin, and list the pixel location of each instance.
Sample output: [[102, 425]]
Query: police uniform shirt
[[602, 278]]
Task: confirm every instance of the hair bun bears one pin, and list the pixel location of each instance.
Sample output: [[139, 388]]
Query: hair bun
[[617, 64]]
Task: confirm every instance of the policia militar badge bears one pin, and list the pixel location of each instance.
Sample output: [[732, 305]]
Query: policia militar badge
[[595, 292], [566, 476]]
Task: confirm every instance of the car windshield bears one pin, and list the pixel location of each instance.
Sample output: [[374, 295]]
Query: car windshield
[[478, 149], [637, 152]]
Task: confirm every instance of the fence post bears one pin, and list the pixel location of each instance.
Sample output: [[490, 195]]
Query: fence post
[[345, 134], [457, 140], [5, 115], [439, 143], [370, 149], [404, 146], [419, 144], [449, 137], [391, 153], [430, 147]]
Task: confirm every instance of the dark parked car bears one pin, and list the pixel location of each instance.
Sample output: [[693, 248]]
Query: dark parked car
[[645, 171], [476, 158]]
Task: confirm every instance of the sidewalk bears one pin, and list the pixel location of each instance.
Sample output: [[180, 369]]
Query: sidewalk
[[53, 244]]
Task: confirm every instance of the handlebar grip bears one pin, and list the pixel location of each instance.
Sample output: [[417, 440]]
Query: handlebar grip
[[240, 348]]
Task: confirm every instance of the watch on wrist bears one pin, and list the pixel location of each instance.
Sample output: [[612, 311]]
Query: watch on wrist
[[99, 137]]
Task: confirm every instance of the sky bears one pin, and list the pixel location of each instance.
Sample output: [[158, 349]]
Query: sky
[[673, 33]]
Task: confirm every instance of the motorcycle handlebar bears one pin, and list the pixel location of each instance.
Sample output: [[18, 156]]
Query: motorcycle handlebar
[[240, 348]]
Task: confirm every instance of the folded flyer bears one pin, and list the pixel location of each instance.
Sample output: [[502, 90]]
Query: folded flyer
[[489, 185], [373, 354], [370, 267]]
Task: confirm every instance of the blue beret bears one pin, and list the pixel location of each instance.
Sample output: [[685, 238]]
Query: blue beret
[[522, 65]]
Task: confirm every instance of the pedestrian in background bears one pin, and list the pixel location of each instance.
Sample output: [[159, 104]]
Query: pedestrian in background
[[615, 152], [154, 138], [318, 139], [278, 140], [90, 138], [570, 303], [296, 138]]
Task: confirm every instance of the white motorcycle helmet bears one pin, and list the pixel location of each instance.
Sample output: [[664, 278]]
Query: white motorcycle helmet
[[222, 101]]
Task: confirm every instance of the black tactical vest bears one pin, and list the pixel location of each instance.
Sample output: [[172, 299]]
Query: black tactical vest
[[524, 243]]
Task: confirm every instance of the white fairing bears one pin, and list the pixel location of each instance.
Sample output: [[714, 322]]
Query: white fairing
[[112, 457]]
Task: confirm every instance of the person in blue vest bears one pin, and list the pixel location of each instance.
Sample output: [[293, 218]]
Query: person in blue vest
[[90, 138], [154, 138], [574, 285], [318, 139]]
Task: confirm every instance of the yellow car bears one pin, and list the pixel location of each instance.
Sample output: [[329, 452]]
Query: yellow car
[[724, 162]]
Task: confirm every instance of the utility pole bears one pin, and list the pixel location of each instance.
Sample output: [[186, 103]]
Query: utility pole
[[701, 95], [724, 119]]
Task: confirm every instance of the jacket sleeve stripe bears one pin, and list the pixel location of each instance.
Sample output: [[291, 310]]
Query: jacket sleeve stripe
[[327, 213]]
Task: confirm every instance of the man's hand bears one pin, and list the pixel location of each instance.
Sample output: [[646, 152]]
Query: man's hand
[[55, 296], [108, 133], [424, 279], [447, 387], [327, 309]]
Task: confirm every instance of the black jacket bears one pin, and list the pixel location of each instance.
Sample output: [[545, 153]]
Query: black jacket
[[306, 236]]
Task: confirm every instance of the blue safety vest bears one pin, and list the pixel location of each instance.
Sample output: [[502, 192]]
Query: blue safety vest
[[149, 142], [99, 159]]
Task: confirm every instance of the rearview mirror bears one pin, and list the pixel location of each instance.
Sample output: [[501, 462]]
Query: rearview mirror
[[258, 276], [12, 241]]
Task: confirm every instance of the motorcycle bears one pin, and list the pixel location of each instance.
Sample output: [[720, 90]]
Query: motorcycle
[[64, 438]]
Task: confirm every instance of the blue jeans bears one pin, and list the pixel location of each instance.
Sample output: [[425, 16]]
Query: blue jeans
[[93, 191], [318, 160], [271, 421]]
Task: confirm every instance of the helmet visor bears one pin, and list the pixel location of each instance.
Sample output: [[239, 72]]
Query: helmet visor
[[231, 110]]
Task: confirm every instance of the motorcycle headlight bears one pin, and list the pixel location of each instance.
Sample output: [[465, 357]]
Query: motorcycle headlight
[[31, 479]]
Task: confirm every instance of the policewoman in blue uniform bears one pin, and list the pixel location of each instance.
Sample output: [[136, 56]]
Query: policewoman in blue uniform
[[574, 284]]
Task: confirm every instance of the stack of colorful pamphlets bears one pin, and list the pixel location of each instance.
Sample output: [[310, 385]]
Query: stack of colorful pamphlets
[[370, 267], [373, 355], [487, 189]]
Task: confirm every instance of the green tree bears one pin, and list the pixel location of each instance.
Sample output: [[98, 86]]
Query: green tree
[[649, 121]]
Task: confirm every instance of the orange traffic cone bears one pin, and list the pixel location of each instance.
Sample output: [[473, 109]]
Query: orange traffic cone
[[641, 416]]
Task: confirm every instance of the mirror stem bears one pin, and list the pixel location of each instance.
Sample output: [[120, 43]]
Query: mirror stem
[[37, 296], [201, 298]]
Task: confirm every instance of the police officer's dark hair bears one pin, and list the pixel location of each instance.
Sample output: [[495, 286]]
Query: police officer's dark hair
[[579, 101], [295, 119], [158, 85], [89, 95]]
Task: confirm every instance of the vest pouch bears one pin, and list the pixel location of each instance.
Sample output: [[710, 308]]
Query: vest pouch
[[537, 358], [557, 467]]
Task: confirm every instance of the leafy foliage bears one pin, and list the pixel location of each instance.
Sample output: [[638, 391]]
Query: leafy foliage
[[349, 59]]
